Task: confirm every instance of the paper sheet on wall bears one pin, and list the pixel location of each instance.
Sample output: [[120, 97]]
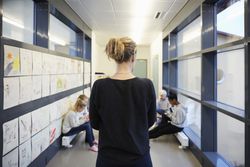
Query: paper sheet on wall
[[46, 63], [74, 66], [10, 135], [11, 159], [81, 67], [25, 154], [60, 65], [87, 67], [87, 91], [40, 119], [11, 61], [86, 79], [37, 87], [53, 86], [37, 63], [24, 128], [53, 113], [11, 92], [45, 85], [53, 62], [25, 89], [39, 143], [67, 66], [26, 61], [55, 130]]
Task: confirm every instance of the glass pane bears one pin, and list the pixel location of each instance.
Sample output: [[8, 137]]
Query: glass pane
[[189, 75], [189, 39], [231, 78], [165, 50], [230, 21], [231, 139], [165, 74], [61, 37], [18, 20], [193, 114]]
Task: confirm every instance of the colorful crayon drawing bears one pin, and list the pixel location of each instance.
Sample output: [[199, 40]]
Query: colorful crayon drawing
[[11, 61]]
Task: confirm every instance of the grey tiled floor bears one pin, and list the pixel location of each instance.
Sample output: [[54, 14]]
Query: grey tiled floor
[[164, 153]]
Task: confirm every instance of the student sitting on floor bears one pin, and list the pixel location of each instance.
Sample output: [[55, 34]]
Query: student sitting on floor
[[77, 120], [172, 121]]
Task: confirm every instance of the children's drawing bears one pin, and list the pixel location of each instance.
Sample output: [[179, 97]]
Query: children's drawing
[[40, 119], [11, 159], [45, 85], [47, 64], [87, 91], [37, 87], [24, 127], [10, 135], [37, 63], [26, 61], [25, 89], [86, 67], [11, 61], [40, 142], [25, 154], [86, 78], [11, 92]]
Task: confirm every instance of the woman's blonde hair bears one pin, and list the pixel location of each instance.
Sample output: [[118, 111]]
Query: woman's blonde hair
[[79, 103], [120, 49]]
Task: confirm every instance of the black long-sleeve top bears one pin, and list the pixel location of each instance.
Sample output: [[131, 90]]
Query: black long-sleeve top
[[122, 111]]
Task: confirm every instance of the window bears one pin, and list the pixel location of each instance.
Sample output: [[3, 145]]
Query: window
[[189, 75], [230, 21], [189, 39], [61, 37], [18, 20], [231, 139], [231, 84], [193, 120]]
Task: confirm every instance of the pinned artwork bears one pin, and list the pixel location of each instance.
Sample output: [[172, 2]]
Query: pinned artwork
[[25, 92], [86, 79], [46, 63], [37, 63], [37, 87], [55, 130], [25, 154], [24, 128], [87, 68], [10, 135], [11, 61], [11, 159], [39, 143], [45, 85], [11, 92], [26, 61], [40, 119], [87, 91], [53, 113]]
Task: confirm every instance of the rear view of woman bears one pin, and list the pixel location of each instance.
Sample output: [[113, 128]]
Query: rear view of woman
[[122, 108]]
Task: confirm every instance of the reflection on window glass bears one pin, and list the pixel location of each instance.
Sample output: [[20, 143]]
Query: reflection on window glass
[[189, 75], [18, 20], [231, 86], [61, 37], [230, 138], [193, 114], [230, 21], [189, 39]]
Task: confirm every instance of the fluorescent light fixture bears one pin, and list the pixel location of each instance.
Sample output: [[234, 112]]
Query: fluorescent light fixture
[[140, 9], [11, 21], [56, 40]]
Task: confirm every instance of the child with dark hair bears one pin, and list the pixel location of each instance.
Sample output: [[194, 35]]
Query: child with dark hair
[[172, 121]]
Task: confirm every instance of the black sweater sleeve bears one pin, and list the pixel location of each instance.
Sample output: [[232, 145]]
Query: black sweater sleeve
[[93, 108], [152, 106]]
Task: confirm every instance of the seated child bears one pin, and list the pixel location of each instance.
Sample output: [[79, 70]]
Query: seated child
[[77, 120]]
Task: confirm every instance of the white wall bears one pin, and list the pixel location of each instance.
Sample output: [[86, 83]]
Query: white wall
[[156, 51], [101, 63]]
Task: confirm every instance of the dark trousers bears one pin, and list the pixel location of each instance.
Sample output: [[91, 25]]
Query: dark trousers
[[144, 161], [89, 132], [164, 128]]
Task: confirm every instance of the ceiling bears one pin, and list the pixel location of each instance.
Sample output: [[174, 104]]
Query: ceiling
[[133, 18]]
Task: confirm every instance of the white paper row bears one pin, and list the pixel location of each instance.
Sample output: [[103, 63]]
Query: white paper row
[[18, 61], [18, 90]]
